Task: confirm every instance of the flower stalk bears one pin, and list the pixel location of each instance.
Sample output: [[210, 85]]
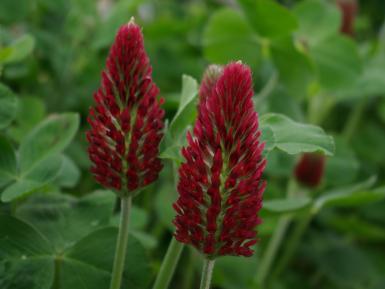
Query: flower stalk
[[168, 266], [207, 273], [121, 245]]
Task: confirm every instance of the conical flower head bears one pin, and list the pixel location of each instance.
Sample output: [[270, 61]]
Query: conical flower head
[[310, 169], [126, 120], [220, 187]]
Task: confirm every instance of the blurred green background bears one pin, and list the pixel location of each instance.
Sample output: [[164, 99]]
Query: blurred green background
[[304, 66]]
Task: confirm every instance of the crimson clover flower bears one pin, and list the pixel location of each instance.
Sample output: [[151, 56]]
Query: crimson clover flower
[[310, 169], [220, 187], [126, 121]]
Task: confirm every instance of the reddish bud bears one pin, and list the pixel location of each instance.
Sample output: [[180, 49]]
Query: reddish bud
[[310, 169], [348, 10], [220, 186], [126, 120]]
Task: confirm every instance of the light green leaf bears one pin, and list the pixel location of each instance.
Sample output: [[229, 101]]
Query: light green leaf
[[50, 137], [69, 173], [19, 189], [286, 205], [358, 198], [269, 18], [41, 174], [355, 195], [267, 136], [19, 50], [173, 153], [337, 61], [186, 112], [294, 138], [317, 19], [228, 37], [8, 106], [8, 169]]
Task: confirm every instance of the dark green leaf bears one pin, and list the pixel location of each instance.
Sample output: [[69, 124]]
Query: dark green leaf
[[8, 170], [88, 263], [18, 238], [65, 219], [8, 106]]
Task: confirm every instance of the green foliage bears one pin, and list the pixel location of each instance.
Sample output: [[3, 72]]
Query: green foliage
[[294, 138], [87, 262], [269, 18], [312, 84], [40, 160], [287, 205], [227, 37], [8, 106], [18, 50]]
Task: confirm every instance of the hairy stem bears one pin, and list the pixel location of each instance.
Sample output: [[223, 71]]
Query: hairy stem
[[168, 265], [207, 273], [121, 245]]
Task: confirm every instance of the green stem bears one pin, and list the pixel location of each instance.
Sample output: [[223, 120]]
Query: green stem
[[276, 240], [188, 279], [272, 249], [292, 243], [354, 119], [168, 265], [121, 246], [207, 273]]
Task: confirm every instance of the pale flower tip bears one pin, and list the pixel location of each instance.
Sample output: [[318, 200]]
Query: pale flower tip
[[132, 20]]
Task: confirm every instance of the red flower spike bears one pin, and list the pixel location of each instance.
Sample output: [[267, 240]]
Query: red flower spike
[[220, 187], [349, 9], [126, 121], [310, 169]]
